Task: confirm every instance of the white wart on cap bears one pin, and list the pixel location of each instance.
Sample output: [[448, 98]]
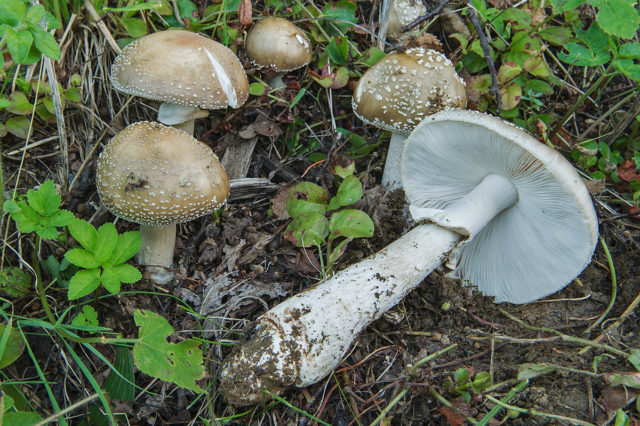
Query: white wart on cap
[[181, 68], [277, 44], [400, 90], [528, 251], [158, 176], [404, 12]]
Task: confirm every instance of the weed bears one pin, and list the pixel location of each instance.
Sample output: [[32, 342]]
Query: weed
[[309, 205]]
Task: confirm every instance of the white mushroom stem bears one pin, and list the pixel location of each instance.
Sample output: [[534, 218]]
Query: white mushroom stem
[[391, 175], [156, 251], [179, 116], [304, 338]]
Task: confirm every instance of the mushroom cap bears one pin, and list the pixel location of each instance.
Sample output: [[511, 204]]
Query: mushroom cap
[[404, 12], [153, 174], [403, 88], [278, 44], [529, 250], [183, 68]]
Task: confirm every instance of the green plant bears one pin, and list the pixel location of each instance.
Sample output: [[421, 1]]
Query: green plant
[[463, 384], [309, 204]]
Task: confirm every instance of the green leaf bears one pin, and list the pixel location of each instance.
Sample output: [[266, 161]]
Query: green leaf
[[338, 50], [481, 382], [109, 280], [617, 17], [12, 12], [127, 247], [508, 71], [45, 200], [628, 67], [258, 88], [59, 218], [349, 191], [82, 258], [135, 27], [556, 34], [180, 363], [461, 375], [15, 282], [127, 273], [19, 104], [560, 6], [511, 95], [18, 126], [343, 172], [307, 230], [582, 56], [535, 65], [47, 232], [350, 223], [338, 251], [34, 14], [21, 418], [121, 385], [531, 370], [340, 13], [45, 43], [106, 242], [538, 86], [84, 233], [11, 345], [631, 380], [88, 316], [84, 282], [372, 55], [19, 44], [634, 358], [306, 197]]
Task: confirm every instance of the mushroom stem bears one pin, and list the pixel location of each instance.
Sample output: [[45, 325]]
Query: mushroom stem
[[179, 116], [156, 251], [304, 338], [276, 82], [391, 175]]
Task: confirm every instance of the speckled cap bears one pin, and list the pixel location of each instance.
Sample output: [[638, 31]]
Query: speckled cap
[[153, 174], [404, 12], [183, 68], [277, 44], [403, 88]]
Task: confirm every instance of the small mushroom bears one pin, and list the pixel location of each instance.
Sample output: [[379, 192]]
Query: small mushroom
[[404, 12], [516, 210], [157, 176], [185, 71], [279, 45], [399, 91]]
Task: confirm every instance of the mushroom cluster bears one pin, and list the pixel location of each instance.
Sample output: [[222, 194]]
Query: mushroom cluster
[[187, 72], [513, 211], [399, 91], [157, 176], [279, 45]]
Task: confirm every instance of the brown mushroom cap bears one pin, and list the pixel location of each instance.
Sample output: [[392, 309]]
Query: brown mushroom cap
[[404, 12], [277, 44], [183, 68], [403, 88], [153, 174]]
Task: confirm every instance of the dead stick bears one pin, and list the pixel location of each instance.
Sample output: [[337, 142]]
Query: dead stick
[[484, 44]]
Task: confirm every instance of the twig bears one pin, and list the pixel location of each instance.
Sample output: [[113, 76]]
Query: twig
[[484, 43], [614, 287], [103, 28], [533, 412]]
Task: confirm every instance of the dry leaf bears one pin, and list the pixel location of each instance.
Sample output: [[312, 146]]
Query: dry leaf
[[627, 171], [244, 13]]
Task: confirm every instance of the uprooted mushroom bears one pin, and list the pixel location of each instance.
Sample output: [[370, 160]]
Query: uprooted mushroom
[[511, 214]]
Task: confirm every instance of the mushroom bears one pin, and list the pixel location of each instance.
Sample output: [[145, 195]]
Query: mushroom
[[277, 44], [185, 71], [157, 176], [404, 12], [400, 90], [516, 210]]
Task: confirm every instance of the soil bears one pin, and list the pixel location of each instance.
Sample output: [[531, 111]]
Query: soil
[[234, 266]]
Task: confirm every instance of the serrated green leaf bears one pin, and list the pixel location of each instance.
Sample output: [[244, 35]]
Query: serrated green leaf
[[350, 223], [582, 56], [560, 6], [88, 316], [84, 233], [10, 206], [628, 67], [84, 282], [307, 230], [59, 218], [110, 280], [593, 37], [45, 200], [127, 273], [127, 247], [82, 258], [349, 191], [180, 363], [45, 43], [121, 385], [19, 104], [617, 17], [47, 232], [11, 345], [19, 43], [106, 242]]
